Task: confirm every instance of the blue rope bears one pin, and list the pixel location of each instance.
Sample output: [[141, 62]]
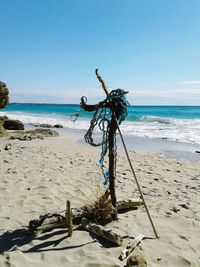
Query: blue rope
[[102, 119]]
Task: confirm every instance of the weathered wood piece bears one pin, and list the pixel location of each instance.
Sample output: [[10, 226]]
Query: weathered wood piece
[[47, 222], [68, 216], [130, 247], [128, 204], [102, 232]]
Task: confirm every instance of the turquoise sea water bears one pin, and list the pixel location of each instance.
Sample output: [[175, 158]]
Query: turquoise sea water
[[178, 123]]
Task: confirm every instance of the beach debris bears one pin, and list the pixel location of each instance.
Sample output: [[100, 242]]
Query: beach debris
[[102, 232], [128, 204], [175, 209], [47, 222], [101, 209], [130, 247], [197, 151], [185, 206], [7, 147], [4, 98], [13, 125], [68, 216], [136, 261]]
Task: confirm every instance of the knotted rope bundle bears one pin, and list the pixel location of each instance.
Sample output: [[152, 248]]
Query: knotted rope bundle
[[102, 120]]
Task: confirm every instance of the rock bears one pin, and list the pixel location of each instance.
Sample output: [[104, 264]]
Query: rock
[[13, 125], [45, 125], [46, 132], [2, 130], [33, 134], [136, 261], [4, 99], [4, 117], [197, 151], [58, 126]]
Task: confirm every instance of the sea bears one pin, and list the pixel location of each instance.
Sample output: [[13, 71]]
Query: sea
[[174, 123]]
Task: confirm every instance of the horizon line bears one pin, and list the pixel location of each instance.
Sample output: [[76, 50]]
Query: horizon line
[[70, 104]]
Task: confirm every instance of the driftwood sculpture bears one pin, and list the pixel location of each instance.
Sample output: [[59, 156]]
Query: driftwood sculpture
[[108, 115], [50, 221]]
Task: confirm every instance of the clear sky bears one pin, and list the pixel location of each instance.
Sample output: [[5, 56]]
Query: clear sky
[[49, 49]]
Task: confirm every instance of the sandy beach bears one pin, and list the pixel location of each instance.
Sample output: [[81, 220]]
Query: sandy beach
[[39, 176]]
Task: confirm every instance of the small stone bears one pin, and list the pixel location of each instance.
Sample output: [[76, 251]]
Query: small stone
[[7, 147], [58, 126], [175, 209], [137, 261], [185, 206]]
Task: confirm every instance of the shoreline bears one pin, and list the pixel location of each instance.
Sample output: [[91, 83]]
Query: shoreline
[[166, 148]]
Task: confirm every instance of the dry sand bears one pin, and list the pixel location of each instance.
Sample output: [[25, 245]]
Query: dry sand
[[38, 176]]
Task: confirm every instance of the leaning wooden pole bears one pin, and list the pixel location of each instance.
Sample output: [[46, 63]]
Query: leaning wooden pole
[[127, 154]]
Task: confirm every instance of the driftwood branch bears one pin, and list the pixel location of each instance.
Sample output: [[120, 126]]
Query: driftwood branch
[[130, 247], [47, 222], [123, 205], [102, 232]]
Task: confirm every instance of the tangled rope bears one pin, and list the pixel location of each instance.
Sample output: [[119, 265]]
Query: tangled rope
[[102, 119]]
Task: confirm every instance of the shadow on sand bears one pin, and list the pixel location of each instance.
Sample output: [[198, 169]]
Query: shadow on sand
[[13, 240]]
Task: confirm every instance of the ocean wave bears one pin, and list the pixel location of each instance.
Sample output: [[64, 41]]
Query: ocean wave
[[156, 119], [31, 118], [182, 130]]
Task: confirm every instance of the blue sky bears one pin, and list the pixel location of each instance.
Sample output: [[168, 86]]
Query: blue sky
[[49, 50]]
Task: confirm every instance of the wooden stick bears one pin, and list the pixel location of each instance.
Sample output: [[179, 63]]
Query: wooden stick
[[130, 247], [47, 222], [127, 154], [128, 204], [68, 216], [102, 232]]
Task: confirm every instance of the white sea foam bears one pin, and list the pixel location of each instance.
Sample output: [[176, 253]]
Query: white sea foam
[[35, 118], [182, 130], [186, 130]]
